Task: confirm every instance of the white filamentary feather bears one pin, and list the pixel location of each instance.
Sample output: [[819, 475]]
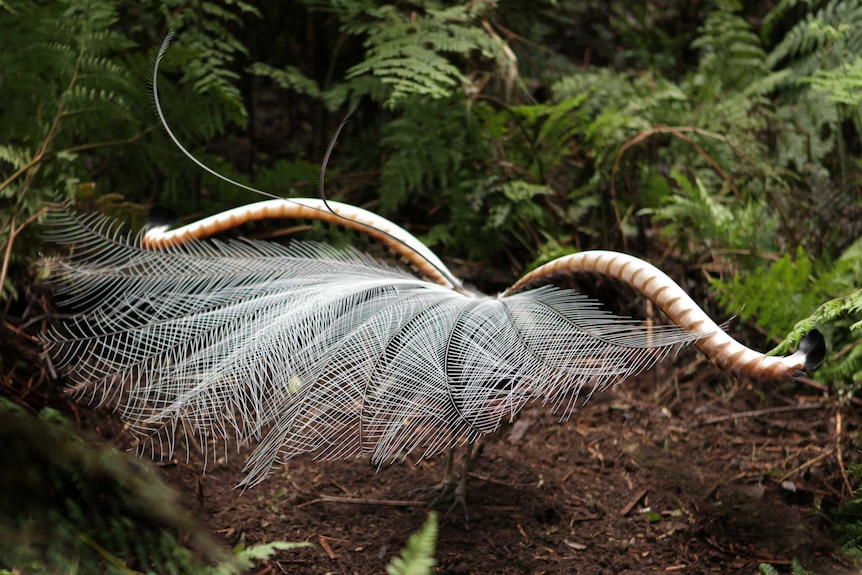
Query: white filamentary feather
[[312, 350], [307, 349]]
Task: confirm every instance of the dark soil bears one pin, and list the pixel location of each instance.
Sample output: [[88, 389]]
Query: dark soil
[[665, 474], [683, 470]]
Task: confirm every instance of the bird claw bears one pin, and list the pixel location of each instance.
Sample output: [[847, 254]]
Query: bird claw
[[442, 490], [449, 491], [459, 498]]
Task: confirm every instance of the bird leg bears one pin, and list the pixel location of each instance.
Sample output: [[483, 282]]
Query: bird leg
[[447, 484], [460, 494], [449, 489]]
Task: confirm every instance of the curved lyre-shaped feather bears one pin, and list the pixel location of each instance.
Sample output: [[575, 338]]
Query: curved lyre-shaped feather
[[654, 284], [317, 351], [393, 236]]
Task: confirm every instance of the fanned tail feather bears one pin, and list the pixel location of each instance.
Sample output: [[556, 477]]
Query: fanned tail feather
[[312, 350]]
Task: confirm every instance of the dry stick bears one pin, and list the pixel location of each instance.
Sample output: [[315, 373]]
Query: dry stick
[[365, 501], [40, 154], [757, 413], [55, 124], [35, 160], [511, 66], [8, 253], [107, 143], [13, 232], [326, 548], [805, 465], [631, 504], [839, 432], [845, 350], [674, 131]]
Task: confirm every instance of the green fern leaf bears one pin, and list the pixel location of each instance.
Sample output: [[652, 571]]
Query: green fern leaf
[[417, 558], [410, 52]]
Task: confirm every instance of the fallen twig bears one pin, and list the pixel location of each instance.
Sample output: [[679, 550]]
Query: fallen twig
[[757, 413], [631, 504], [806, 465], [365, 501], [839, 432]]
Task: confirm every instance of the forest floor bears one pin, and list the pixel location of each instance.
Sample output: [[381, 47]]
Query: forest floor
[[681, 470], [686, 472]]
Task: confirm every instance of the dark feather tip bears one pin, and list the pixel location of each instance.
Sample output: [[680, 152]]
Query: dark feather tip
[[160, 216], [814, 347]]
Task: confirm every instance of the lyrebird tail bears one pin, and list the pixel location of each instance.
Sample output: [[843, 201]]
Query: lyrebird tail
[[311, 350]]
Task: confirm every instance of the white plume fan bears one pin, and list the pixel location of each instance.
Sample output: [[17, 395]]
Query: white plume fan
[[306, 349]]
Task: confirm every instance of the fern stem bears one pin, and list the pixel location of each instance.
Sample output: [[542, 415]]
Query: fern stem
[[107, 143], [678, 132], [13, 233]]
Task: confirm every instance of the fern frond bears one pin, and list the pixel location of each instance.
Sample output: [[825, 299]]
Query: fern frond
[[289, 78], [733, 55], [720, 222], [208, 46], [410, 52], [849, 305], [247, 557], [417, 558], [842, 85], [15, 156], [806, 45]]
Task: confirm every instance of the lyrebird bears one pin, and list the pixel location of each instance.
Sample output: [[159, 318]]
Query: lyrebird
[[308, 349]]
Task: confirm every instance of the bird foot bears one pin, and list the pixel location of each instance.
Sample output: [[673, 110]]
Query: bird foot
[[459, 499], [448, 491], [442, 490]]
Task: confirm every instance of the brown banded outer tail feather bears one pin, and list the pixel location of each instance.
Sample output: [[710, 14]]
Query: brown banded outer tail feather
[[665, 293], [393, 236]]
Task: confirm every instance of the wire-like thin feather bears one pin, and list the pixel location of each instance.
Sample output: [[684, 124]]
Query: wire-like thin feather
[[313, 350]]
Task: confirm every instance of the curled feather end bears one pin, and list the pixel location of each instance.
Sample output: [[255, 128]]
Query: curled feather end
[[814, 347]]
